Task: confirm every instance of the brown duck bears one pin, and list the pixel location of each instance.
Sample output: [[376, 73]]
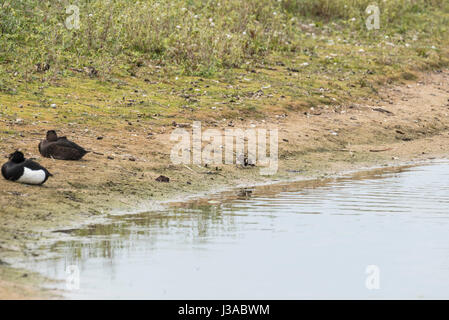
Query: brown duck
[[60, 148]]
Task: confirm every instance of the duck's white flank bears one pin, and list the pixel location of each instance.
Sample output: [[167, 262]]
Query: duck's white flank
[[32, 176]]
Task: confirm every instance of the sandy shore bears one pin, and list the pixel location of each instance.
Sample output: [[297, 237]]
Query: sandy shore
[[406, 122]]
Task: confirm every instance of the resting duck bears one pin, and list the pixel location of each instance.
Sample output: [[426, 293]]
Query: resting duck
[[22, 170], [60, 148]]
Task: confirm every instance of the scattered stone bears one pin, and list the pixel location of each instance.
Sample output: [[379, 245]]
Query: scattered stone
[[91, 71], [293, 70], [42, 67], [17, 194], [380, 150], [162, 179], [110, 158], [383, 111]]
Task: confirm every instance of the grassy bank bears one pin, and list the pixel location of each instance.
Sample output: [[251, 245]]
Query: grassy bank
[[159, 62]]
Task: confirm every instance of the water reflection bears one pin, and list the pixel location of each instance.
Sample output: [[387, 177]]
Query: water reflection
[[310, 239]]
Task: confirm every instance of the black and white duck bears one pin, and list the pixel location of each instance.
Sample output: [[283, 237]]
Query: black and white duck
[[23, 170]]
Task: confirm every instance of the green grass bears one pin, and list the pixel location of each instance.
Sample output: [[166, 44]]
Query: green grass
[[197, 36], [299, 53]]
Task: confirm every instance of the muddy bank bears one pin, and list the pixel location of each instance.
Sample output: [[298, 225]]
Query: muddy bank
[[405, 123], [22, 284]]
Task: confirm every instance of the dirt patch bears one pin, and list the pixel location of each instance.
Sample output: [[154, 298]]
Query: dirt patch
[[22, 285], [407, 122]]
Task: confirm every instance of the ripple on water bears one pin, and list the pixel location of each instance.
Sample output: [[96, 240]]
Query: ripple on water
[[300, 240]]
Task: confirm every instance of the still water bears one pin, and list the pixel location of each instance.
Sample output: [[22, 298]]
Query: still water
[[376, 235]]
